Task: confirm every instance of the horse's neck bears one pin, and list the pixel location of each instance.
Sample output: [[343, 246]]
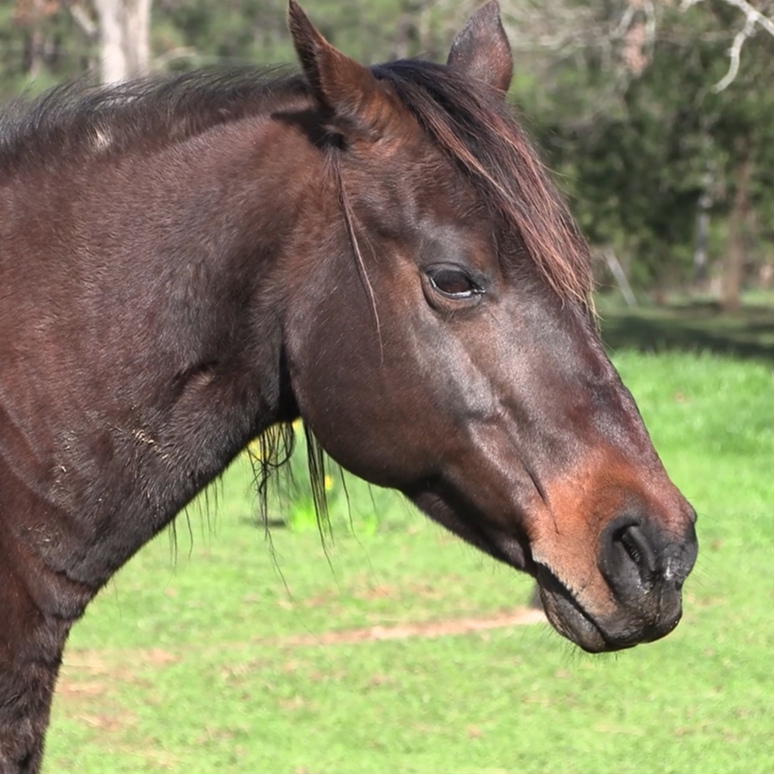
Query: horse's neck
[[163, 279]]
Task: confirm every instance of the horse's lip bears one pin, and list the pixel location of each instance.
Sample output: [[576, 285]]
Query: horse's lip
[[570, 619]]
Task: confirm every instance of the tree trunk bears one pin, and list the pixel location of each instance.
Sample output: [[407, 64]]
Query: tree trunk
[[30, 16], [702, 229], [732, 270], [124, 33]]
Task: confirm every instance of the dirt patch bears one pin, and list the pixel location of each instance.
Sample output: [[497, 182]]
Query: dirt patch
[[90, 703], [100, 663], [80, 689], [433, 629], [117, 664]]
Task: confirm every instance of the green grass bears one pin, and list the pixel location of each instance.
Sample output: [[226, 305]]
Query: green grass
[[206, 660]]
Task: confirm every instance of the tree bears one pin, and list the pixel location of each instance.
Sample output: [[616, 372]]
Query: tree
[[124, 27], [654, 115]]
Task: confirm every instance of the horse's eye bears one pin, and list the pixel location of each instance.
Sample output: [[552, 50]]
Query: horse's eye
[[454, 283]]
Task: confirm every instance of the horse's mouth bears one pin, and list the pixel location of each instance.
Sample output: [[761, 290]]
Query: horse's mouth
[[591, 633], [568, 617], [562, 609]]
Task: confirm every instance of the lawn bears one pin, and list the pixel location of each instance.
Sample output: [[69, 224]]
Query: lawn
[[400, 649]]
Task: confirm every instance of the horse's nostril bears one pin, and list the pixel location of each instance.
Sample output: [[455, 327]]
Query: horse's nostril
[[628, 559], [640, 551]]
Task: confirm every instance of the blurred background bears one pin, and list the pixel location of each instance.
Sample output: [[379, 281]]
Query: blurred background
[[243, 641], [655, 114]]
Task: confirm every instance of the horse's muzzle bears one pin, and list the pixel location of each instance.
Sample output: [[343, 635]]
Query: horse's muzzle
[[644, 569]]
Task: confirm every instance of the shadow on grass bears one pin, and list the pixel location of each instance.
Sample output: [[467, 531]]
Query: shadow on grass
[[691, 327]]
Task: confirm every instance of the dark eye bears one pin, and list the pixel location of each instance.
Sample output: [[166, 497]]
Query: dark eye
[[453, 282]]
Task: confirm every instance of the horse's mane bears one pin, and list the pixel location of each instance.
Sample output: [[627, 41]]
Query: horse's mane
[[81, 119]]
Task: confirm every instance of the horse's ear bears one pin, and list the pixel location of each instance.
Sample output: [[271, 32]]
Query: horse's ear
[[481, 49], [352, 100]]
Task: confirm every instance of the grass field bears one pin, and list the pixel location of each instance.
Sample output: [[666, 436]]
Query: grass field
[[228, 656]]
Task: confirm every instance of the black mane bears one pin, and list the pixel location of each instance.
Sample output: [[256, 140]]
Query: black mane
[[79, 119]]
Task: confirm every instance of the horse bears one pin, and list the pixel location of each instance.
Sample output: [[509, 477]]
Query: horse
[[187, 263]]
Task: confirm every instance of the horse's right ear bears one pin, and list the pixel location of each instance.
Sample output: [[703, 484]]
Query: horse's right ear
[[351, 99]]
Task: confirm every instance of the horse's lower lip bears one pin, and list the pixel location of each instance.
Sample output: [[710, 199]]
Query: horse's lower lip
[[573, 622], [570, 619], [580, 628]]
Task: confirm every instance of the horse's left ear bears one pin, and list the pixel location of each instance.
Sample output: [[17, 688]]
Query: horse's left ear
[[481, 49], [351, 99]]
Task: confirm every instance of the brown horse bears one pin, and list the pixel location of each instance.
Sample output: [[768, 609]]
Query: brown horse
[[185, 263]]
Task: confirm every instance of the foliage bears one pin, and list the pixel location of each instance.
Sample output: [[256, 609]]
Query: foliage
[[639, 148], [630, 122], [62, 50]]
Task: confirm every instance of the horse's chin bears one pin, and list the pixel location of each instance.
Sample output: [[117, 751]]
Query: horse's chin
[[570, 620]]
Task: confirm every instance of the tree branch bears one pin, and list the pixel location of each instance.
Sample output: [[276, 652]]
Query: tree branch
[[753, 17], [83, 20]]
